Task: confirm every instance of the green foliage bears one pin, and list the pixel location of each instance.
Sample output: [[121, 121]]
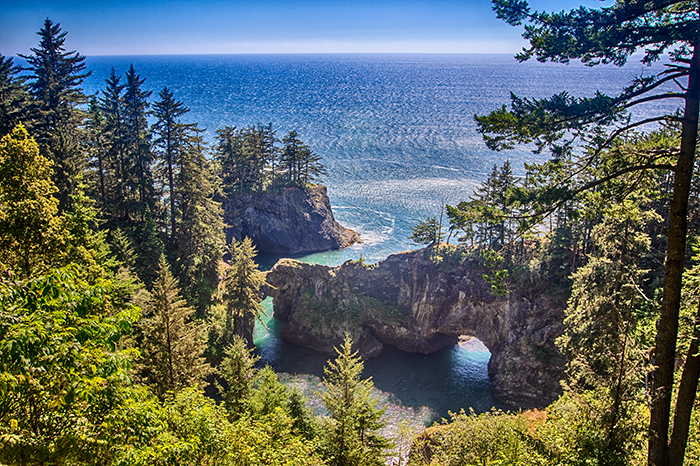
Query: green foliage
[[491, 438], [54, 83], [268, 394], [198, 242], [583, 135], [239, 295], [14, 99], [238, 371], [247, 156], [428, 232], [61, 369], [301, 166], [32, 235], [173, 345], [486, 220], [606, 301], [498, 274], [352, 436], [572, 432]]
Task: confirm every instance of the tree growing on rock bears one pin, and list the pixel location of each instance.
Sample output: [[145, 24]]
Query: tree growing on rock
[[427, 232]]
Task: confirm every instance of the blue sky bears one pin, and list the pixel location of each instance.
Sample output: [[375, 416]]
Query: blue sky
[[267, 26]]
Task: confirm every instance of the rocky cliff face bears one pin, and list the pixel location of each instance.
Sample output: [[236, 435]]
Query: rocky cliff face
[[421, 301], [297, 221]]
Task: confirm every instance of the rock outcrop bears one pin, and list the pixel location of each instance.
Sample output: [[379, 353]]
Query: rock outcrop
[[422, 301], [296, 221]]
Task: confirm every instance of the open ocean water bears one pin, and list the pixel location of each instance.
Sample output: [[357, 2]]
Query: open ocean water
[[398, 138]]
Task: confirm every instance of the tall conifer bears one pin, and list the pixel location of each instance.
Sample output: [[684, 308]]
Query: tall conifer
[[169, 136], [138, 144], [54, 83], [173, 344], [352, 438]]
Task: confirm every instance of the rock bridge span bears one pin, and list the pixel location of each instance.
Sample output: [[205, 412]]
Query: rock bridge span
[[421, 302]]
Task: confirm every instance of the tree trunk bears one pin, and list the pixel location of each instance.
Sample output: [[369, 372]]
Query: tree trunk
[[667, 325], [685, 400]]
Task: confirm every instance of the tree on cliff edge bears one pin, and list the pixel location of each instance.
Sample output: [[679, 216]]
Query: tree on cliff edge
[[560, 123]]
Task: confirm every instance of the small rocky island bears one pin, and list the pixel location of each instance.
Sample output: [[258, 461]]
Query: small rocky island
[[294, 221], [423, 301]]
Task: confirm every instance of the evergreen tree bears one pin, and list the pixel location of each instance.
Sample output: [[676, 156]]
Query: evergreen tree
[[98, 176], [228, 153], [268, 395], [149, 248], [602, 317], [54, 83], [247, 158], [123, 249], [240, 294], [199, 238], [300, 165], [138, 144], [14, 100], [32, 235], [238, 371], [170, 135], [115, 157], [427, 232], [611, 35], [352, 437], [173, 344]]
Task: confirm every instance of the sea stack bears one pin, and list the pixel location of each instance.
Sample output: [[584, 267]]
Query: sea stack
[[295, 221]]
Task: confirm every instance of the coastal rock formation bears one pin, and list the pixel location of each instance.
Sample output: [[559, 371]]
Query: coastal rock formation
[[296, 221], [422, 301]]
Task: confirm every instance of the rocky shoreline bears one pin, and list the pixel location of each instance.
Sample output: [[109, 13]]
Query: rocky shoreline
[[423, 301]]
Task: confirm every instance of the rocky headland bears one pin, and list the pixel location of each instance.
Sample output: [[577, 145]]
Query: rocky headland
[[295, 221], [423, 301]]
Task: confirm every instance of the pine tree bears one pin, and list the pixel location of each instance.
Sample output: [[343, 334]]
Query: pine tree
[[199, 240], [238, 371], [427, 232], [602, 317], [299, 163], [170, 135], [115, 157], [173, 344], [54, 83], [138, 144], [240, 294], [149, 248], [123, 249], [32, 235], [352, 438], [228, 153], [14, 100], [98, 178]]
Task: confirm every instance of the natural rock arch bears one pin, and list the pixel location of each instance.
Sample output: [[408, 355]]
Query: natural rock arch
[[421, 301]]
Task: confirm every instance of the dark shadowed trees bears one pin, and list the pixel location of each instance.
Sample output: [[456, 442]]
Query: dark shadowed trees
[[14, 99]]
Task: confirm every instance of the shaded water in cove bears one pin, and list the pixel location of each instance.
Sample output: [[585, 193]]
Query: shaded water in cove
[[431, 385]]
